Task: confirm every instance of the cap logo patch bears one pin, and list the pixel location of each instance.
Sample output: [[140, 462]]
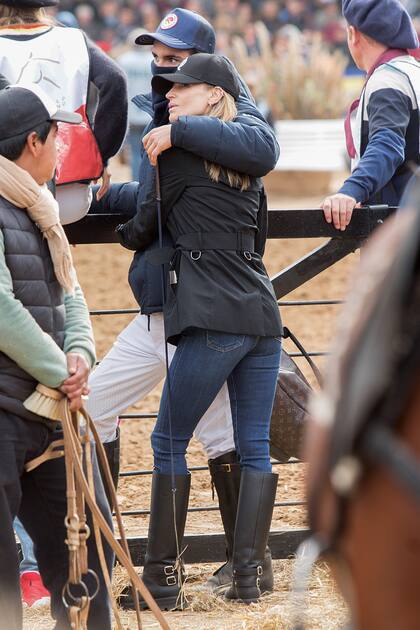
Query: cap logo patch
[[169, 22]]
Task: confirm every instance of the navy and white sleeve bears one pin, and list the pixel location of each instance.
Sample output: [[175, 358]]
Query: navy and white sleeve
[[389, 112]]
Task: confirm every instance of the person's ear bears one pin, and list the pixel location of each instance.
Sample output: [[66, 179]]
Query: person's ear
[[32, 143], [216, 95], [353, 35]]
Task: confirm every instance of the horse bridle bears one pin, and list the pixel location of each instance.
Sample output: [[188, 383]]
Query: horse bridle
[[377, 444]]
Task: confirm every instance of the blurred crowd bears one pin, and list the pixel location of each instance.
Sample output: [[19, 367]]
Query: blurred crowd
[[109, 22], [308, 29]]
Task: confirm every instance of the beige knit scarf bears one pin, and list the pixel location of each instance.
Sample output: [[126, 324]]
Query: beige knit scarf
[[19, 187]]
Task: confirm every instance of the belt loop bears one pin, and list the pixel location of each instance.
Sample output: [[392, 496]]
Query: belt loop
[[239, 239]]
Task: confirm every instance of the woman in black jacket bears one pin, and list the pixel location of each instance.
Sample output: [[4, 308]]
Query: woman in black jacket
[[222, 314]]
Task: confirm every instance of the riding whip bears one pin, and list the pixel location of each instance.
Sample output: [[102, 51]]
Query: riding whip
[[178, 565]]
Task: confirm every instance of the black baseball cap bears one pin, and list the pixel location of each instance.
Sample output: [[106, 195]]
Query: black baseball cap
[[200, 68], [184, 30], [24, 107]]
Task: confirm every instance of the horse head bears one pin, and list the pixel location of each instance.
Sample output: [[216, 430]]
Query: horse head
[[363, 440]]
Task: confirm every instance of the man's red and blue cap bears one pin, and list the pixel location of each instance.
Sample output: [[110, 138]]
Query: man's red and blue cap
[[385, 21], [184, 30]]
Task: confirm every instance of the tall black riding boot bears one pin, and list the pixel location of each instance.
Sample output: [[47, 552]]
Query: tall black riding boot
[[112, 452], [255, 510], [226, 478], [225, 475], [160, 574]]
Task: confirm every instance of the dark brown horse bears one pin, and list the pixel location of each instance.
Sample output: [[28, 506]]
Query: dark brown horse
[[363, 442]]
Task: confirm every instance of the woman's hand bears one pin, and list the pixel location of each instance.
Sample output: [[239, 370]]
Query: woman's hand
[[157, 141], [75, 386]]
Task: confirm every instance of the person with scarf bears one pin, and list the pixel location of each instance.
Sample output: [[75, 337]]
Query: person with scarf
[[78, 75], [136, 362], [45, 337], [382, 126]]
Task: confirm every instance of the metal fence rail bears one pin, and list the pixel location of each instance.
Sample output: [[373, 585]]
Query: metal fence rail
[[306, 223]]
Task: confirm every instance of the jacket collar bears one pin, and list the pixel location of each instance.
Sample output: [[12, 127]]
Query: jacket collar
[[144, 102]]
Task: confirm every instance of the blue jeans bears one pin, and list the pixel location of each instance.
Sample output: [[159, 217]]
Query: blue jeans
[[28, 562], [203, 361]]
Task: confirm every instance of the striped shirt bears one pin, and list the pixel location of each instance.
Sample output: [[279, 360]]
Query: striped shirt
[[386, 133]]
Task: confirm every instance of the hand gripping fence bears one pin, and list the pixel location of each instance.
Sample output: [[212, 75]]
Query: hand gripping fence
[[76, 449]]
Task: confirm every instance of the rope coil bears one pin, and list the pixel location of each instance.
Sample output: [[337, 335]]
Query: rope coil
[[50, 403]]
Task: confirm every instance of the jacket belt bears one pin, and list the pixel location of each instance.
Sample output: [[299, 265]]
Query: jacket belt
[[200, 241]]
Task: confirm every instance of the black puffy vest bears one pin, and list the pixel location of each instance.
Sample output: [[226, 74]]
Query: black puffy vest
[[36, 287]]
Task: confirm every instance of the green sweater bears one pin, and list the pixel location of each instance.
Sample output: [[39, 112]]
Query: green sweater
[[22, 339]]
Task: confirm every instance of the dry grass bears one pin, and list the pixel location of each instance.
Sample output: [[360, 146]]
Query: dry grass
[[325, 608], [306, 82]]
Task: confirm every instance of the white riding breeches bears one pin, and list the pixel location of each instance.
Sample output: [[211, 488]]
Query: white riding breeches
[[132, 368], [73, 201]]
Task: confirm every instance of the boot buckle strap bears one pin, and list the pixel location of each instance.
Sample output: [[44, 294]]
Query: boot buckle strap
[[248, 571], [169, 571]]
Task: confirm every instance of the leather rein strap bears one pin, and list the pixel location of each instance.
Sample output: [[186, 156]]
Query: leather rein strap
[[380, 443], [287, 334], [76, 449]]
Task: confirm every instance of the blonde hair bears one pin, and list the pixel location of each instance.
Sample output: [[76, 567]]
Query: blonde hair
[[226, 110], [22, 15]]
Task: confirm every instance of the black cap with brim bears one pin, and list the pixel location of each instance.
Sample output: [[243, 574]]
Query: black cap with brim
[[200, 68], [23, 108], [162, 83], [68, 117]]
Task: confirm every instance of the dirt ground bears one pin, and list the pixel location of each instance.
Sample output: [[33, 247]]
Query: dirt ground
[[102, 271]]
